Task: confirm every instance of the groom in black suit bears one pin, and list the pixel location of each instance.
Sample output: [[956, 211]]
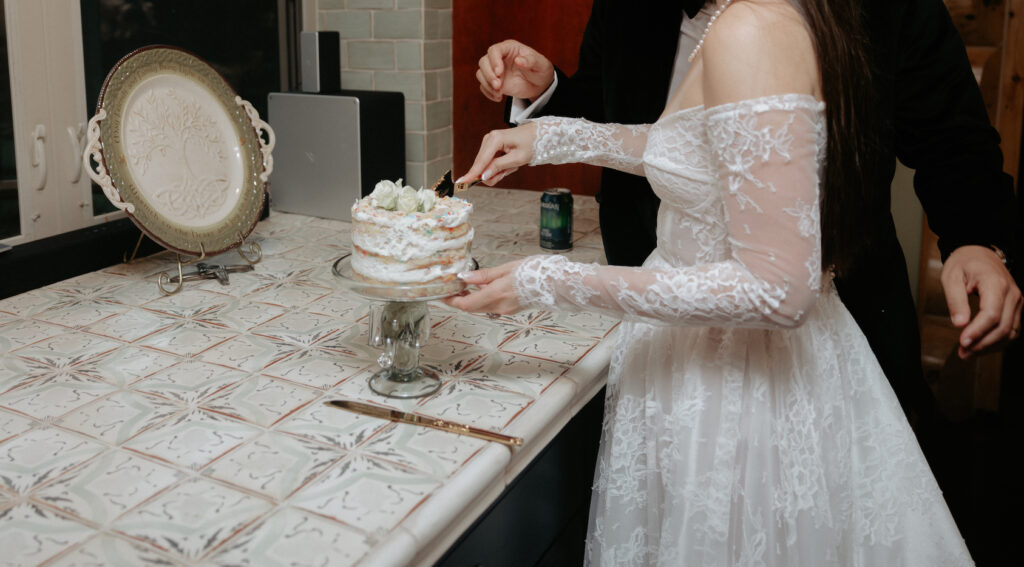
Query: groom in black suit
[[933, 120]]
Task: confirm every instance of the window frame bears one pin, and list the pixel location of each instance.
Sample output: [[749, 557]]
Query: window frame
[[48, 89], [48, 104]]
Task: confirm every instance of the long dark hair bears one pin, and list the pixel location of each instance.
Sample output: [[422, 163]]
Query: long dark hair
[[849, 195]]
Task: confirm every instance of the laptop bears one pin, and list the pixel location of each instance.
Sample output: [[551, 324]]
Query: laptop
[[331, 149]]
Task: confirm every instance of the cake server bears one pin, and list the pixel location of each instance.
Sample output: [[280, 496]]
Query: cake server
[[415, 419], [445, 187]]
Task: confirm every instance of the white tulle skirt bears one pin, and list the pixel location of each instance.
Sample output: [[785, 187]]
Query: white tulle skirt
[[741, 447]]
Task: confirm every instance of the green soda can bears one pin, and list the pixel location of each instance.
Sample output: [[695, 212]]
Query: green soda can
[[556, 219]]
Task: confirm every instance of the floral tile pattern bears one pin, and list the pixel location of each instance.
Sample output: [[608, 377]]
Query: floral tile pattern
[[16, 372], [193, 518], [120, 416], [291, 534], [594, 325], [12, 424], [340, 306], [55, 394], [138, 428], [31, 303], [193, 439], [474, 331], [126, 365], [108, 486], [189, 302], [31, 534], [17, 333], [548, 345], [250, 353], [76, 314], [317, 368], [369, 493], [189, 338], [299, 327], [520, 374], [131, 326], [328, 425], [41, 454], [261, 400], [464, 401], [241, 314], [274, 464], [190, 381], [106, 549], [434, 452], [67, 349], [135, 293]]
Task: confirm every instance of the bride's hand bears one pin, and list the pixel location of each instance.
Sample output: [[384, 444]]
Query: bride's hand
[[497, 293], [501, 153]]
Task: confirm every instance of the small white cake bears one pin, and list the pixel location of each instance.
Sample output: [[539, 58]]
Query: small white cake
[[401, 236]]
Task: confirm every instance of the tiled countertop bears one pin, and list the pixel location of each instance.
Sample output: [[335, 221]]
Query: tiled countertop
[[137, 428]]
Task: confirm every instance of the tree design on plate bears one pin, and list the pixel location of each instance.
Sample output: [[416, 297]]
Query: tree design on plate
[[169, 133]]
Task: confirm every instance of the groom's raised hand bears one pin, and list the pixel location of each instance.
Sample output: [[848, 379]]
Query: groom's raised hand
[[511, 68]]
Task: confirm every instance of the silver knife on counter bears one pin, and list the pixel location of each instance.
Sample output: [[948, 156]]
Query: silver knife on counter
[[406, 417]]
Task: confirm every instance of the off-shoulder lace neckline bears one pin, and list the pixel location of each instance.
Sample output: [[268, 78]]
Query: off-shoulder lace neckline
[[767, 102]]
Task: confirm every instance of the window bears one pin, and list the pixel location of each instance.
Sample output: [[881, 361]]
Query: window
[[57, 55]]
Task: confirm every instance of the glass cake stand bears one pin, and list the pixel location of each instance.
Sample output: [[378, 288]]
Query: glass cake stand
[[399, 324]]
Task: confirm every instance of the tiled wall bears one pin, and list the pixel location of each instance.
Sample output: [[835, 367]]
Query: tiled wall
[[402, 45]]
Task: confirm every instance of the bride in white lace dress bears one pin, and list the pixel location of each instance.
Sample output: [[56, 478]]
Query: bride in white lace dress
[[747, 420]]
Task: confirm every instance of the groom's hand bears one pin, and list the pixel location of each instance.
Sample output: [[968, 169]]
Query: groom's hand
[[513, 69], [977, 269]]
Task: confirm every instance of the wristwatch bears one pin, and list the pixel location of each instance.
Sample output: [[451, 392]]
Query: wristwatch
[[999, 253]]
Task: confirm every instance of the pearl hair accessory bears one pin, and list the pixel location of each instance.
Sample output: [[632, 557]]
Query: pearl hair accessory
[[714, 17]]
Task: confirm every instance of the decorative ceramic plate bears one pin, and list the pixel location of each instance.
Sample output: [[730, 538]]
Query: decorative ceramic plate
[[342, 268], [182, 151]]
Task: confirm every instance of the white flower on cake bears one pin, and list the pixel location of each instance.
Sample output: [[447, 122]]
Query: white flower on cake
[[385, 194], [392, 196], [427, 199], [408, 202]]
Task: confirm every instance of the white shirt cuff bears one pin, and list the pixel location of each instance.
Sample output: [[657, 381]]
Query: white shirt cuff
[[520, 113]]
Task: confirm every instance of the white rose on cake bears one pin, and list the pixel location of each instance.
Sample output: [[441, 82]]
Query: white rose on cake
[[408, 202], [385, 194], [427, 199]]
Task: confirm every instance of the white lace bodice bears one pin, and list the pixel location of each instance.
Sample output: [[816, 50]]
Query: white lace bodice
[[725, 445], [738, 230]]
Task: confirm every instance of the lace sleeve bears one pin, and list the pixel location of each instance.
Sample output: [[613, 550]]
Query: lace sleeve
[[767, 153], [574, 140]]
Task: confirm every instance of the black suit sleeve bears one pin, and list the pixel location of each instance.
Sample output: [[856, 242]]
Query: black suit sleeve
[[581, 95], [943, 132]]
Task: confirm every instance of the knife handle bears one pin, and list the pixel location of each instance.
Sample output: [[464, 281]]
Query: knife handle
[[474, 432]]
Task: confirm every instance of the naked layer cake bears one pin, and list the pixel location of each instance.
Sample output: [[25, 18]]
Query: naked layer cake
[[404, 236]]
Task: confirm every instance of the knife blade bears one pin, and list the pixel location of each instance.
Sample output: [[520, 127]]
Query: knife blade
[[445, 187], [416, 419]]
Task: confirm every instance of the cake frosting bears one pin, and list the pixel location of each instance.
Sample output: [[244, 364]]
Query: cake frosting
[[402, 236]]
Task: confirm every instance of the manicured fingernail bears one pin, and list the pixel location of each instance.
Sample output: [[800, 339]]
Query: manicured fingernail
[[460, 180], [959, 320], [462, 275], [967, 342], [487, 175]]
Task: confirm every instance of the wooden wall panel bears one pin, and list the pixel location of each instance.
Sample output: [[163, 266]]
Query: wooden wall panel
[[553, 28], [980, 22]]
